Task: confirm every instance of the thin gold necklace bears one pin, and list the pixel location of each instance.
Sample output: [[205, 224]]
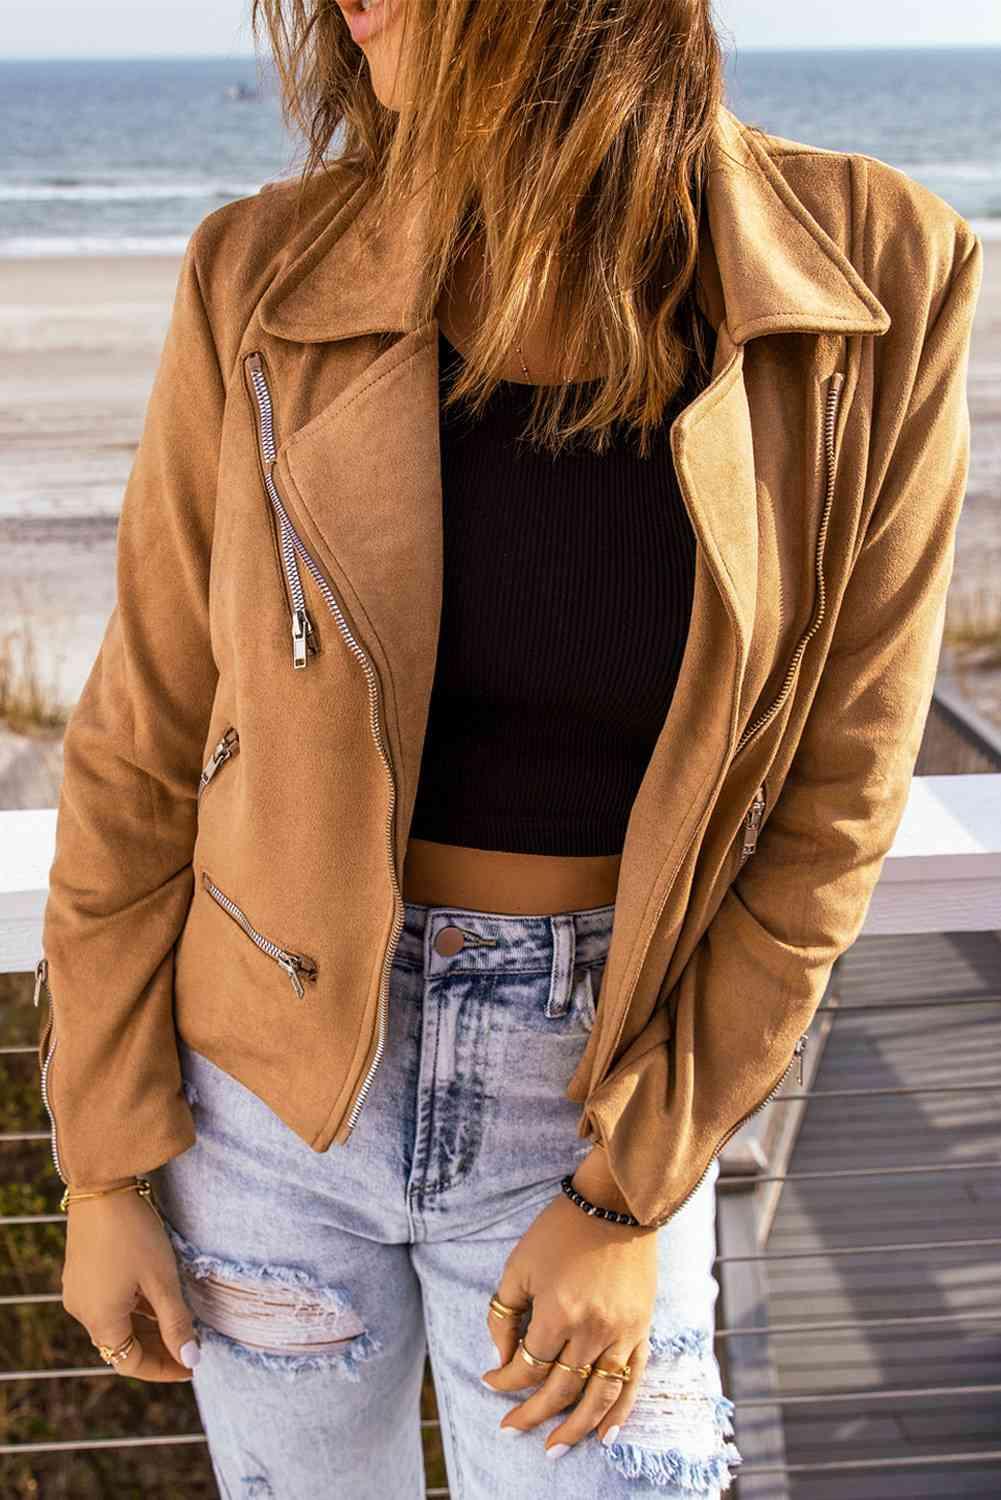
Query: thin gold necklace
[[528, 377], [525, 367]]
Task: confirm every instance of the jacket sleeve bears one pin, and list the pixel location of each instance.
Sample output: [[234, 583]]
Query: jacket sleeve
[[802, 900], [121, 879]]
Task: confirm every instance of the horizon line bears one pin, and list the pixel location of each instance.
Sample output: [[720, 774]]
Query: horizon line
[[728, 51]]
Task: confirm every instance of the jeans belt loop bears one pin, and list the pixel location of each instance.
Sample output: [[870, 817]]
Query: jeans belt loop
[[561, 977]]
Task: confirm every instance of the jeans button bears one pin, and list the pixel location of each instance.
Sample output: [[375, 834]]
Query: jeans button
[[449, 940]]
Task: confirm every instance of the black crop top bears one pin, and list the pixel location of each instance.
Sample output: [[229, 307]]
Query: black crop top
[[567, 595]]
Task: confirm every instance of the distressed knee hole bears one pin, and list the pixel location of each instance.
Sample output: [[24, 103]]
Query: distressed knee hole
[[676, 1433], [279, 1318]]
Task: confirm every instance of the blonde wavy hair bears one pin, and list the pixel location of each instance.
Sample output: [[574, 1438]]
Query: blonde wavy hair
[[571, 138]]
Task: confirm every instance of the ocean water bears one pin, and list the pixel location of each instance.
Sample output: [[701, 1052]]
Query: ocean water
[[128, 155]]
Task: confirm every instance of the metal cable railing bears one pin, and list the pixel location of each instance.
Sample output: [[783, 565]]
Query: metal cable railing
[[772, 1405], [847, 1465]]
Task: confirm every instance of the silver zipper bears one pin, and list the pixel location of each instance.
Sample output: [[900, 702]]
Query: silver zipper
[[797, 1057], [752, 824], [833, 397], [375, 723], [294, 964], [830, 424], [303, 639], [228, 745], [42, 977]]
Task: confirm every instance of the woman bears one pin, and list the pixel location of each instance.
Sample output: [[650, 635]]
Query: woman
[[560, 400]]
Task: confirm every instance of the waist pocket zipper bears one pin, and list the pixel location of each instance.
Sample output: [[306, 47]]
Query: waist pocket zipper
[[294, 964], [752, 825], [223, 750]]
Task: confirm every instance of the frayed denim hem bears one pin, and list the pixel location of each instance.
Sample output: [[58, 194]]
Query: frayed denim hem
[[696, 1476]]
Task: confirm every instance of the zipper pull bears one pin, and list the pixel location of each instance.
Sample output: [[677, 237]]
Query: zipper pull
[[752, 823], [302, 629], [223, 750], [292, 963], [798, 1052], [41, 976]]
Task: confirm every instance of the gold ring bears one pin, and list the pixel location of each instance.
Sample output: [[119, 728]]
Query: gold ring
[[495, 1301], [501, 1310], [542, 1363], [622, 1374], [582, 1370], [112, 1356]]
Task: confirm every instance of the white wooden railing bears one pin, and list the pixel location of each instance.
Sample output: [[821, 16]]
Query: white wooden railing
[[943, 873]]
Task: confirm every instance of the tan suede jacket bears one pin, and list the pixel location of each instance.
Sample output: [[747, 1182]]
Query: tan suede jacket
[[241, 766]]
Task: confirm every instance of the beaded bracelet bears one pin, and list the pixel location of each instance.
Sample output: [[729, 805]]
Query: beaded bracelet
[[572, 1193]]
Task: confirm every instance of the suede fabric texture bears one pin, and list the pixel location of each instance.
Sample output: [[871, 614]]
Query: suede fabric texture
[[824, 468]]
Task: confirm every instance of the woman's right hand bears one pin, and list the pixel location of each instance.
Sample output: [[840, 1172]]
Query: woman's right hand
[[120, 1277]]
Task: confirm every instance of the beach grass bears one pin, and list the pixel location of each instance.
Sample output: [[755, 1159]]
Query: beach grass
[[28, 702], [973, 627]]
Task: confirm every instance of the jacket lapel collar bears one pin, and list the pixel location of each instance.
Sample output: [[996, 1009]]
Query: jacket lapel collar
[[779, 270]]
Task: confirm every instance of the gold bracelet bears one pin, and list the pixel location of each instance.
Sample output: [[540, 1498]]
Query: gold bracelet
[[140, 1185]]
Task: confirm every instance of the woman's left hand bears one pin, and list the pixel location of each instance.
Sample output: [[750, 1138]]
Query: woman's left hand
[[592, 1285]]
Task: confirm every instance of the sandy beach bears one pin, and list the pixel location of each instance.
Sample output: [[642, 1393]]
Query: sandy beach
[[81, 338]]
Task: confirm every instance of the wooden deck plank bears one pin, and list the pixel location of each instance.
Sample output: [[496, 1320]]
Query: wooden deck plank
[[913, 1049]]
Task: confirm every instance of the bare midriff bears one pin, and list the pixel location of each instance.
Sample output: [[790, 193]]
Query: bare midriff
[[497, 880]]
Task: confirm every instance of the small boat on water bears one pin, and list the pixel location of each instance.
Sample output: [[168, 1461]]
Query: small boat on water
[[240, 91]]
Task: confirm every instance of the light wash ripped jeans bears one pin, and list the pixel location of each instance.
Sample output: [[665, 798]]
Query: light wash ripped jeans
[[318, 1282]]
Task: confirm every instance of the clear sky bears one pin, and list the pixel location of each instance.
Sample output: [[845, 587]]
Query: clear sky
[[122, 28]]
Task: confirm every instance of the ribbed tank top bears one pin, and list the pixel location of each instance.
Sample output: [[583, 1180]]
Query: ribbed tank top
[[567, 595]]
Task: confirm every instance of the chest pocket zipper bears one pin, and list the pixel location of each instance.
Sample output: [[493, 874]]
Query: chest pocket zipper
[[304, 642], [224, 749], [294, 964]]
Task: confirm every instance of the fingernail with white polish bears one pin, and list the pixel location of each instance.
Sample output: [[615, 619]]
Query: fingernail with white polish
[[509, 1431], [557, 1450], [190, 1354], [610, 1436]]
